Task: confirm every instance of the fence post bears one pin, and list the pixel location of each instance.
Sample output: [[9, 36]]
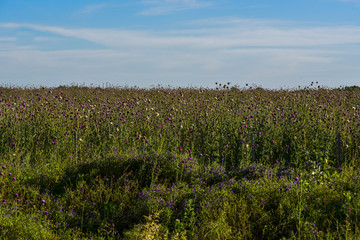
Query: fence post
[[339, 150], [252, 148]]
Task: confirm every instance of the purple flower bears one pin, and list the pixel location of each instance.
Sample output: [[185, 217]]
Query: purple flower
[[43, 201], [297, 179]]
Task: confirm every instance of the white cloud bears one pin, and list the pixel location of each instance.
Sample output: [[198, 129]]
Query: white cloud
[[89, 9], [269, 36], [7, 39], [163, 7], [45, 39], [272, 55]]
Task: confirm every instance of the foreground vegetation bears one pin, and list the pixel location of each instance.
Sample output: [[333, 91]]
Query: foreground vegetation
[[92, 163]]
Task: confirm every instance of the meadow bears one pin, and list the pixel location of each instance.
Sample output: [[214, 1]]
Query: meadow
[[189, 163]]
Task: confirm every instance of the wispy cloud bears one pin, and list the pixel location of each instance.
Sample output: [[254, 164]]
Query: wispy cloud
[[222, 37], [163, 7], [89, 9], [7, 39], [274, 51]]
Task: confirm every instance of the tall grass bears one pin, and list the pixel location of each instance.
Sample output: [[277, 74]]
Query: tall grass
[[92, 163]]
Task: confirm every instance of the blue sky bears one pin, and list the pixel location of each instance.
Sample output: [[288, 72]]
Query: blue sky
[[180, 43]]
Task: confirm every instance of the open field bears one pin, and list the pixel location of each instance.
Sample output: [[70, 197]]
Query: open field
[[92, 163]]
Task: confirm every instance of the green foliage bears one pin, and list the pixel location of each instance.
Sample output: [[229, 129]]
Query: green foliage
[[92, 163]]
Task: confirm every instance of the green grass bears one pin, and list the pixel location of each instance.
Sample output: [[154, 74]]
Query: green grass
[[91, 163]]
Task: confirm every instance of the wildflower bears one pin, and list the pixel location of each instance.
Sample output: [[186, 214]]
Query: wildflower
[[259, 133], [18, 200], [46, 212], [43, 201], [10, 174], [5, 167], [14, 178], [297, 179], [4, 200]]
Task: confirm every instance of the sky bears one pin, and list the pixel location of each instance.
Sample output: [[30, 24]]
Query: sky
[[180, 43]]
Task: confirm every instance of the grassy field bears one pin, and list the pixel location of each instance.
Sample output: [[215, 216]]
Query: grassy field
[[128, 163]]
